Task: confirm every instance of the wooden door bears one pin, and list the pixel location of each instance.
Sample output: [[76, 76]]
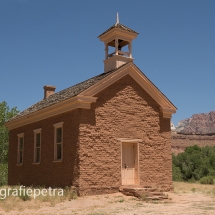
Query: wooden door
[[128, 164]]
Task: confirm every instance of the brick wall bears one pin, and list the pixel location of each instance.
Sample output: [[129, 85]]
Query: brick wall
[[123, 110], [91, 151], [47, 172]]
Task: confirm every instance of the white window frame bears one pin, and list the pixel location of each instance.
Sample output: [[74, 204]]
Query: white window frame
[[57, 126], [21, 135], [37, 131]]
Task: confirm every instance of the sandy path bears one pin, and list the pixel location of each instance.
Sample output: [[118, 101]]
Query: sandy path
[[181, 204]]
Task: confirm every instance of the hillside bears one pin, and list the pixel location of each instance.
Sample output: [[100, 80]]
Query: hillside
[[199, 124], [181, 141], [199, 130]]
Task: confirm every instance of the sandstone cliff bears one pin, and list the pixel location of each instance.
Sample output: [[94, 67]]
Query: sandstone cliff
[[181, 141], [199, 124]]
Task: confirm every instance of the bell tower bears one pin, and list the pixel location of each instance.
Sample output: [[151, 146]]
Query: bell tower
[[119, 37]]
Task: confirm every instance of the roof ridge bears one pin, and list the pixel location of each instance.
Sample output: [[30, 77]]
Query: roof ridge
[[119, 25], [64, 94], [73, 91]]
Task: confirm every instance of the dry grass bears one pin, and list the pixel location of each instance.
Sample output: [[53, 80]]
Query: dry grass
[[185, 195], [185, 187], [22, 202]]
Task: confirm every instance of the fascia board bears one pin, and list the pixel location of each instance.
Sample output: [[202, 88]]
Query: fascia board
[[164, 98], [106, 82], [151, 89], [118, 32], [59, 108], [138, 76], [114, 36]]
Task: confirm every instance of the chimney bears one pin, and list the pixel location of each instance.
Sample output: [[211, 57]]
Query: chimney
[[48, 91]]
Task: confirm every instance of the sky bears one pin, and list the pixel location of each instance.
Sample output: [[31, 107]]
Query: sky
[[54, 42]]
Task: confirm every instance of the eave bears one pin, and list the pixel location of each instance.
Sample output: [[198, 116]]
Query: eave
[[111, 35], [87, 97], [166, 107], [78, 101]]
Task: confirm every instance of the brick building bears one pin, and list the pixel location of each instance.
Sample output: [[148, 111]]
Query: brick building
[[110, 130]]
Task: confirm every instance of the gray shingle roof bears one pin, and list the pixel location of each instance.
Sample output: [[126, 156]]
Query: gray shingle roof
[[119, 25], [63, 95], [69, 93]]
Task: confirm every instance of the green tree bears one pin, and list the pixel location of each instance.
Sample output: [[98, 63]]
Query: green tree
[[194, 163], [176, 173], [5, 114]]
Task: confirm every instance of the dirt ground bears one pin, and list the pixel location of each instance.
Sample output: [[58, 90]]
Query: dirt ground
[[179, 204]]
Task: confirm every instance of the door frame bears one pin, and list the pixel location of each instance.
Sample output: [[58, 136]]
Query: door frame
[[136, 169]]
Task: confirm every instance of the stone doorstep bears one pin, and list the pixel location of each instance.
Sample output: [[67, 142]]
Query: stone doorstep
[[155, 198], [147, 193]]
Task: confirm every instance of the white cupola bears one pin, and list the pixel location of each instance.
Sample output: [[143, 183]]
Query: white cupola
[[117, 36]]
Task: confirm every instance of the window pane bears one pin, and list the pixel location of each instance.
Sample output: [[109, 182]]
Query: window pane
[[38, 140], [58, 151], [20, 157], [59, 135], [37, 157], [21, 143]]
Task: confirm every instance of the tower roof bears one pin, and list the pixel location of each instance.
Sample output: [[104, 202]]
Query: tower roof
[[118, 25]]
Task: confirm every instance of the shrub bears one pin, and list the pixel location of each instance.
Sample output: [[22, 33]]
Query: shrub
[[70, 192], [24, 196], [176, 173], [207, 180], [3, 173], [192, 180], [194, 163]]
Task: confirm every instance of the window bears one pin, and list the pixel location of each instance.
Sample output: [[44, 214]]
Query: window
[[58, 141], [37, 145], [20, 148]]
